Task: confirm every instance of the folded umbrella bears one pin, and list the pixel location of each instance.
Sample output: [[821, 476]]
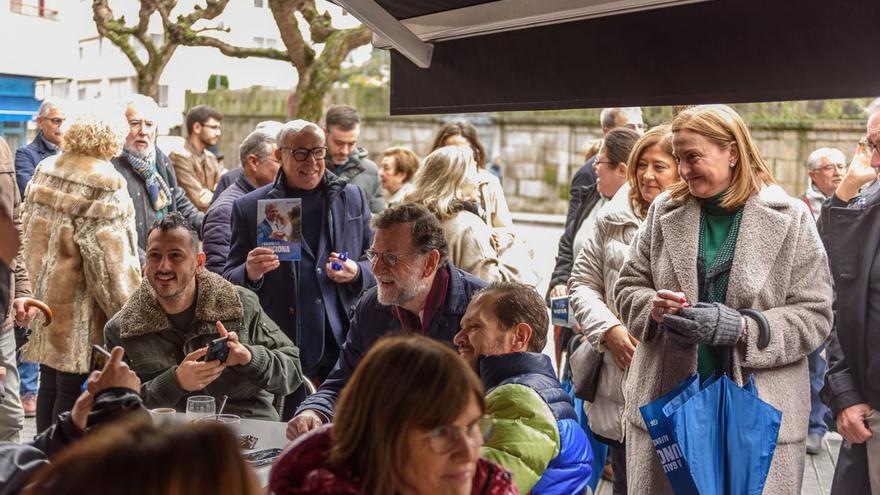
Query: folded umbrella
[[715, 439]]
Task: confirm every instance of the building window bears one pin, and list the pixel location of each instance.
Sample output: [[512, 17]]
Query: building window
[[271, 42], [163, 96], [157, 40], [36, 8], [259, 41], [258, 4]]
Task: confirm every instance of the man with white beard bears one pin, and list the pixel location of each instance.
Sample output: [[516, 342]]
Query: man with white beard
[[418, 291], [152, 183]]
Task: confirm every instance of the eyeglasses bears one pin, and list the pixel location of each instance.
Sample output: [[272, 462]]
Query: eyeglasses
[[840, 167], [302, 154], [211, 126], [444, 439], [141, 124], [390, 259], [55, 120]]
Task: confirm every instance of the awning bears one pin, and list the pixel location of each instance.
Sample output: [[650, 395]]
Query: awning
[[18, 108], [697, 52], [17, 102]]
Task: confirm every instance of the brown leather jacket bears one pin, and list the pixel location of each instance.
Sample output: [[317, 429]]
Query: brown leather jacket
[[19, 286]]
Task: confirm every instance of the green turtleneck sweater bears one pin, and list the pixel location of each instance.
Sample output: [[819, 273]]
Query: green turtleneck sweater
[[716, 225]]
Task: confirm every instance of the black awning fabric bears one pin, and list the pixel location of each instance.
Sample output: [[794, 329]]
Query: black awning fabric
[[405, 9], [727, 51]]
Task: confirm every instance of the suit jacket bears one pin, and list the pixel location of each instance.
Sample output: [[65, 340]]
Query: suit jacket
[[347, 228], [15, 278], [853, 236]]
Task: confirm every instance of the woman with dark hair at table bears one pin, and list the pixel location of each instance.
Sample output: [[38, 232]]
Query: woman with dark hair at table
[[726, 275], [410, 422]]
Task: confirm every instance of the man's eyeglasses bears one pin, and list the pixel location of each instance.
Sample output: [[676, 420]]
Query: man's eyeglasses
[[869, 146], [302, 154], [55, 120], [212, 126], [831, 167], [390, 259], [443, 439], [141, 124]]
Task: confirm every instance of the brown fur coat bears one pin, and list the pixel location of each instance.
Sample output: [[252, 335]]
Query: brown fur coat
[[80, 246]]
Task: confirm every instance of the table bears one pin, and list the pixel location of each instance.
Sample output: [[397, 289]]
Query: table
[[270, 434]]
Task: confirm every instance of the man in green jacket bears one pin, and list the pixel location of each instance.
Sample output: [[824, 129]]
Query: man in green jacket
[[178, 310], [536, 434]]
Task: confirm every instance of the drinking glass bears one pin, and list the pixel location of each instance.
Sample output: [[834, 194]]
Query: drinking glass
[[200, 406], [163, 416]]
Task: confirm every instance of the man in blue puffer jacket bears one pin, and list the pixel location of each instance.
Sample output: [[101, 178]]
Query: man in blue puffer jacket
[[536, 433]]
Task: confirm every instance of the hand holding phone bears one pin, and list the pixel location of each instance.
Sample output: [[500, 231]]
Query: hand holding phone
[[100, 357], [218, 350]]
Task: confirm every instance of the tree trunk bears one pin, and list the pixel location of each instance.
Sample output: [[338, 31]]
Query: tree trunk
[[148, 83]]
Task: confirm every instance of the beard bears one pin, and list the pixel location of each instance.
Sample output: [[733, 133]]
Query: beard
[[148, 155], [404, 291]]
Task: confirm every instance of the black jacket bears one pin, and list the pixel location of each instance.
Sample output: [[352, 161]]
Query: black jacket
[[217, 227], [144, 214], [362, 172], [373, 320], [852, 238], [588, 196], [18, 462]]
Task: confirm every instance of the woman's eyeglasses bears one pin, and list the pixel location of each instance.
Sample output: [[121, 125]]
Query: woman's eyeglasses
[[444, 439]]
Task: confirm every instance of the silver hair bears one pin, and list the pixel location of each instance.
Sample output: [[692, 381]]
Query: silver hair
[[608, 116], [295, 127], [145, 105], [257, 143], [872, 107], [48, 104], [834, 155]]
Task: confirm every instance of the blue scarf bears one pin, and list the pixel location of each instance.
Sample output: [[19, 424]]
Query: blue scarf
[[157, 189]]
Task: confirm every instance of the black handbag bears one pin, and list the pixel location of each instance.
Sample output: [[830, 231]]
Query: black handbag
[[586, 364]]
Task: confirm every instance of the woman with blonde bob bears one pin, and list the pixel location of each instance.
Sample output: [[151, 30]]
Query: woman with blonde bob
[[136, 458], [727, 275], [410, 422], [649, 170], [80, 245], [445, 184]]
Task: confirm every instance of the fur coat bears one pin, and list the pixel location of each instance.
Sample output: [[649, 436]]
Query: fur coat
[[780, 268], [80, 245]]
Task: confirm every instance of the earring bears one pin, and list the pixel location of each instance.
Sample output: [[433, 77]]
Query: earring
[[732, 164]]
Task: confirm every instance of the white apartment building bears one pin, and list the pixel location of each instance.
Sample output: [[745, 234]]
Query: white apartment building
[[52, 48]]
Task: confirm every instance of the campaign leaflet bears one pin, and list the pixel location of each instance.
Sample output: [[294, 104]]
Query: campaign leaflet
[[279, 227], [560, 310]]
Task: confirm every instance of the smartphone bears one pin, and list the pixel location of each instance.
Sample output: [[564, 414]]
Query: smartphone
[[261, 457], [218, 350], [100, 356]]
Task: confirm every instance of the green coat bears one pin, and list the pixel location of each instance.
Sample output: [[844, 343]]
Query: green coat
[[143, 330], [525, 437]]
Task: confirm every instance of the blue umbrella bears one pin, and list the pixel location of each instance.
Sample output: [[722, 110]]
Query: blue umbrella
[[725, 434]]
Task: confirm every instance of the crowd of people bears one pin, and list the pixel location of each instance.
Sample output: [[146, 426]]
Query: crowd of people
[[680, 255]]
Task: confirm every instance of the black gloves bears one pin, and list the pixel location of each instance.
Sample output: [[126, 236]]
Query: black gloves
[[705, 323]]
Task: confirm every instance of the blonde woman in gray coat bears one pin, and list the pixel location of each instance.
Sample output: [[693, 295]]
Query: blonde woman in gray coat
[[649, 169], [724, 239]]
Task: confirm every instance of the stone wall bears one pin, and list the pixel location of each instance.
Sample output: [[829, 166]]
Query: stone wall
[[540, 153]]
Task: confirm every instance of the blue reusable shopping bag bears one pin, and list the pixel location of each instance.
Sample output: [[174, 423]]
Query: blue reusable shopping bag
[[662, 432], [717, 439]]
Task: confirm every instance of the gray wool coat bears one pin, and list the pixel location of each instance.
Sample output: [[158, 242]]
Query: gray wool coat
[[779, 268]]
